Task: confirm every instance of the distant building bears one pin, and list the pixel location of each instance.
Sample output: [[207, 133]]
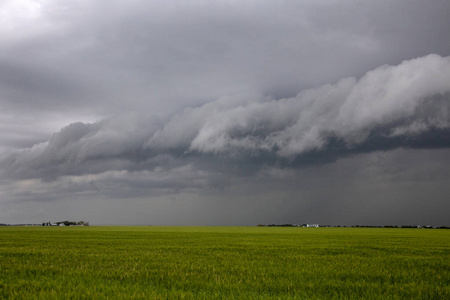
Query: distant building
[[312, 225]]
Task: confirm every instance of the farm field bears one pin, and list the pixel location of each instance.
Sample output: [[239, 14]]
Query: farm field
[[223, 263]]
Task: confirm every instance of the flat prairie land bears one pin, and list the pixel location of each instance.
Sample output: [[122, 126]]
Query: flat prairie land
[[154, 262]]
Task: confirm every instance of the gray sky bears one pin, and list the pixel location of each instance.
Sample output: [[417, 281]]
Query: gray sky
[[225, 112]]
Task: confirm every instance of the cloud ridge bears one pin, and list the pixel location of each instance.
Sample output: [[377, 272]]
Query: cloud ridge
[[407, 105]]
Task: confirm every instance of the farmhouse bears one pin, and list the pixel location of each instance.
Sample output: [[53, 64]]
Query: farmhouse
[[312, 225]]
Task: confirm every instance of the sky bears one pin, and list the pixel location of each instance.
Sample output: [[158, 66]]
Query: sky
[[225, 113]]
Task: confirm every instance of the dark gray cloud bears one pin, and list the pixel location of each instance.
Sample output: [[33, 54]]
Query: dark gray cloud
[[390, 107], [226, 105], [163, 56]]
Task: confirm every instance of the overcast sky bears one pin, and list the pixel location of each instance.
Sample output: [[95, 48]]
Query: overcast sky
[[225, 112]]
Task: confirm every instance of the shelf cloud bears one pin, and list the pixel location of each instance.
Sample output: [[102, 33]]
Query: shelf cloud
[[389, 107], [225, 112]]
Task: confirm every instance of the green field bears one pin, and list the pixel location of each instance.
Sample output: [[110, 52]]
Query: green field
[[223, 263]]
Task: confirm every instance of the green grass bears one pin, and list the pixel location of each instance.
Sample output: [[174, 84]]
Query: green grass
[[223, 263]]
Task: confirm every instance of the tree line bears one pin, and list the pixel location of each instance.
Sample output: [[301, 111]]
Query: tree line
[[66, 223]]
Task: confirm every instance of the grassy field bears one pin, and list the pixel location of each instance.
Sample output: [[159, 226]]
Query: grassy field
[[223, 263]]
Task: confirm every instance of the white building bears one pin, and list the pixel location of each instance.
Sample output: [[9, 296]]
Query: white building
[[312, 225]]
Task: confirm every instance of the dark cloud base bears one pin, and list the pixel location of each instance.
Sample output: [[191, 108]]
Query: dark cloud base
[[386, 109]]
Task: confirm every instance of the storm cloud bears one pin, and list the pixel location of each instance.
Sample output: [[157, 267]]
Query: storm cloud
[[237, 113], [392, 106]]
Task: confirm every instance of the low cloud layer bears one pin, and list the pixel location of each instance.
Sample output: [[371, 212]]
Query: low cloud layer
[[407, 105]]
